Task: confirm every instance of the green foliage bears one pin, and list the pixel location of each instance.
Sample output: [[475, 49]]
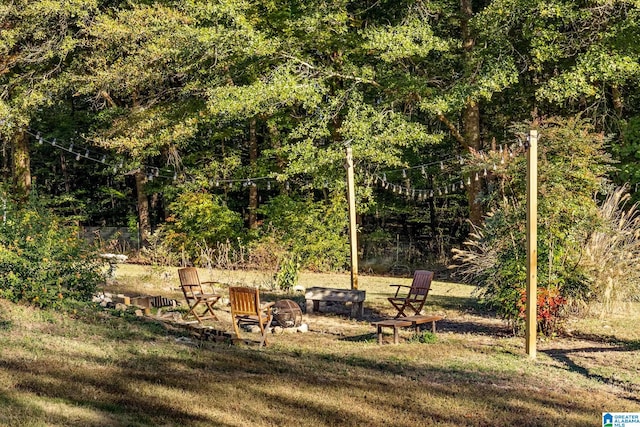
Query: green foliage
[[174, 85], [627, 151], [572, 166], [313, 231], [424, 337], [200, 218], [43, 262], [287, 275]]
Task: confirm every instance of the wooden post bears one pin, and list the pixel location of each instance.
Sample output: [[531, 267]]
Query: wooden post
[[532, 244], [353, 232]]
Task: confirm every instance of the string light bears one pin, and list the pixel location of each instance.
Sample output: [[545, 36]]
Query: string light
[[458, 184], [154, 171], [80, 152]]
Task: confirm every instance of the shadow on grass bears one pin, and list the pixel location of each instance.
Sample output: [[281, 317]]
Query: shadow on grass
[[221, 385], [564, 356], [496, 328], [629, 345], [253, 387]]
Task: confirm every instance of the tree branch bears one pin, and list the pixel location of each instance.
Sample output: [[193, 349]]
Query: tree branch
[[454, 131]]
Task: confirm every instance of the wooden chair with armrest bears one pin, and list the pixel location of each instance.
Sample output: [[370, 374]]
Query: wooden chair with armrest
[[415, 297], [196, 298], [246, 308]]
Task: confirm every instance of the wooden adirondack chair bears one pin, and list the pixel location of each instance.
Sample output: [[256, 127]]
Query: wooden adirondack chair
[[246, 308], [195, 296], [416, 296]]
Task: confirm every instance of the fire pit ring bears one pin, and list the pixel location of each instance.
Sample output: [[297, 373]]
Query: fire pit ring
[[287, 313]]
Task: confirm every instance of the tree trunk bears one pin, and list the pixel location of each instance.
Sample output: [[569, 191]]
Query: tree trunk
[[253, 160], [143, 208], [471, 131], [471, 115], [21, 166], [65, 173]]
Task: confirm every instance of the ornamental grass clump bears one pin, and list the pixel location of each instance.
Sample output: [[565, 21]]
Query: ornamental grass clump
[[43, 262], [611, 254]]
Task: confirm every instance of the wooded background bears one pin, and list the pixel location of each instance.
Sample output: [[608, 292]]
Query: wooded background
[[222, 124]]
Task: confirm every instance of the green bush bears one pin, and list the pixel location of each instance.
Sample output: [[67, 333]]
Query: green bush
[[200, 220], [313, 231], [287, 275], [43, 262], [572, 169]]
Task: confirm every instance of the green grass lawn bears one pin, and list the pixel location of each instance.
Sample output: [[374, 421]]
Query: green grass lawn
[[104, 368]]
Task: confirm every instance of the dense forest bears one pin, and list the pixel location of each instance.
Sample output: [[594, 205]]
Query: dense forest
[[217, 129]]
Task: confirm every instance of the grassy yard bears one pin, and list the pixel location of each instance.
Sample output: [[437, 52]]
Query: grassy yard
[[107, 368]]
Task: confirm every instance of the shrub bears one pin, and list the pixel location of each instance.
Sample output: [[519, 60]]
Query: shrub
[[43, 262], [200, 220], [313, 231], [572, 167], [611, 253], [549, 304], [287, 275]]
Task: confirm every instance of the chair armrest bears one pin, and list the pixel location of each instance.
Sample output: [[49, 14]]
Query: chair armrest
[[212, 284], [267, 306], [398, 286]]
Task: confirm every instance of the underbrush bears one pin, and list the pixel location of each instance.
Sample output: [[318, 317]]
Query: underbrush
[[43, 262]]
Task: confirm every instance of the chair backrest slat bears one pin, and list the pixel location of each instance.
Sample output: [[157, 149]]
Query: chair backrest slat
[[244, 301], [190, 282], [421, 282]]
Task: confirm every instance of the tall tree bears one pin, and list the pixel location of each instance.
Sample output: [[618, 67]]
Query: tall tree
[[37, 41]]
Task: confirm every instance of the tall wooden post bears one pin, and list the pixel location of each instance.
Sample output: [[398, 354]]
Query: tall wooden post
[[353, 232], [532, 244]]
